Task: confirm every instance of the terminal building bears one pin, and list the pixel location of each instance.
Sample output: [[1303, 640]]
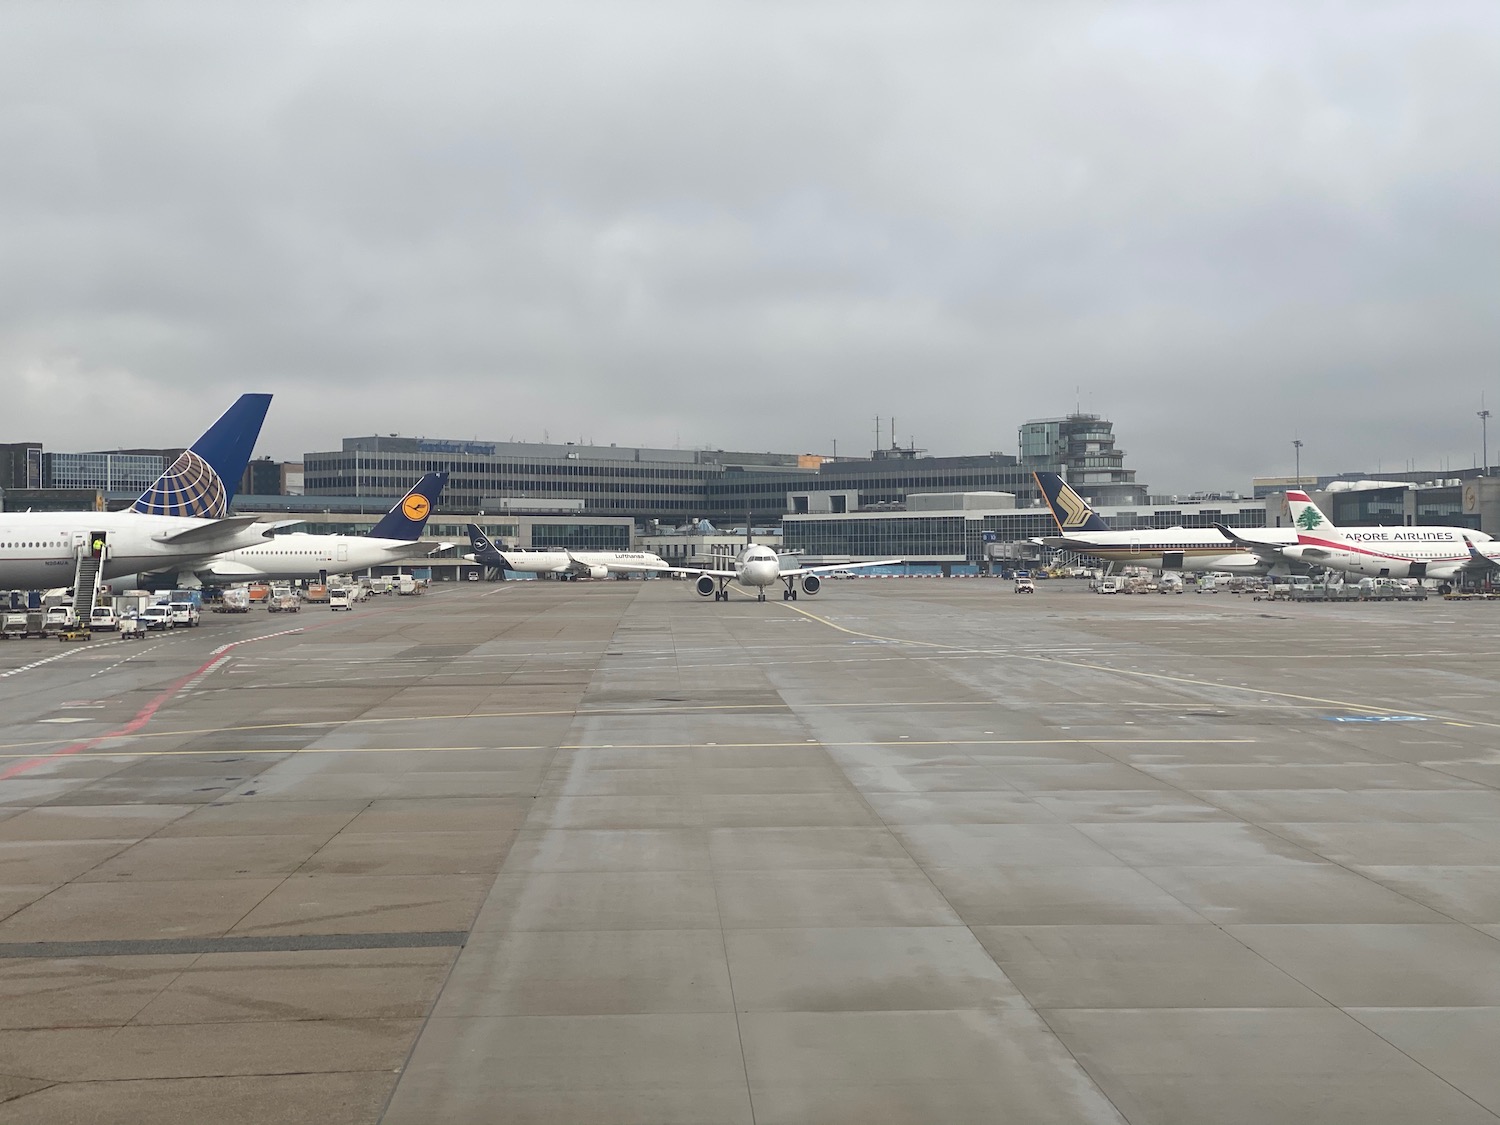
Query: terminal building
[[898, 502], [676, 486]]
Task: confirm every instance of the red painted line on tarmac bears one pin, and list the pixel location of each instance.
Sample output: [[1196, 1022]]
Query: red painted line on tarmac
[[142, 717]]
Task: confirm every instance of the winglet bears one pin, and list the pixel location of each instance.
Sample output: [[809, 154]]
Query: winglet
[[407, 519], [204, 479], [1070, 510]]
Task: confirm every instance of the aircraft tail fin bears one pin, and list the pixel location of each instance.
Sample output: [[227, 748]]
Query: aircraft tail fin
[[1307, 517], [1070, 510], [203, 480], [479, 542], [407, 519]]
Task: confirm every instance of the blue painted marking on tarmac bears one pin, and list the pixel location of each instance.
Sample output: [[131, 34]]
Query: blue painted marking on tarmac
[[1376, 718]]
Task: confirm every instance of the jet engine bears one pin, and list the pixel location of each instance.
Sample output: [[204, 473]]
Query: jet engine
[[706, 585], [811, 584], [598, 572]]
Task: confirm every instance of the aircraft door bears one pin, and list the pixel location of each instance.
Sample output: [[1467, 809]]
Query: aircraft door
[[343, 552]]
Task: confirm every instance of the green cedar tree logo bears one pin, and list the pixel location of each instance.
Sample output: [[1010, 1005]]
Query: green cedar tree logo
[[1309, 519]]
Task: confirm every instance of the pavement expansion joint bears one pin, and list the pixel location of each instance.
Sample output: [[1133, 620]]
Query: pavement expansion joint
[[231, 943]]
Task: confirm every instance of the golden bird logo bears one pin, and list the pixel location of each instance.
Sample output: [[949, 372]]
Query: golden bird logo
[[1075, 511], [416, 506]]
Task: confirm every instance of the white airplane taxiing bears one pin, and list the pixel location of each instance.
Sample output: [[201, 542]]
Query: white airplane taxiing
[[183, 515], [302, 555], [561, 563], [757, 568]]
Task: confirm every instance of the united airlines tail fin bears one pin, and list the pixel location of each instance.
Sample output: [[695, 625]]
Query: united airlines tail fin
[[1307, 517], [203, 481], [407, 519], [1070, 510]]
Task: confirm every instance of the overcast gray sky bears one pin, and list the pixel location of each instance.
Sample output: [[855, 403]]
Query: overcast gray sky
[[758, 225]]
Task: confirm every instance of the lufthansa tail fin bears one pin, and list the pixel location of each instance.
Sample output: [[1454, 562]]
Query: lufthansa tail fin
[[1307, 517], [407, 519], [203, 481], [1070, 510], [484, 551]]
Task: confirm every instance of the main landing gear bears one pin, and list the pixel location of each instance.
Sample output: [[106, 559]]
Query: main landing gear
[[789, 594]]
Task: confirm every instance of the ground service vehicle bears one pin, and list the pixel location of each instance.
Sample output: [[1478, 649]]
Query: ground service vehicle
[[185, 613], [103, 617], [156, 617], [1025, 586], [234, 600], [60, 617], [338, 597]]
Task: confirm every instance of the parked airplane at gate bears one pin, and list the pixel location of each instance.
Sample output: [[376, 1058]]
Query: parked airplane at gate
[[302, 555], [183, 515], [1175, 548], [561, 564], [1442, 553]]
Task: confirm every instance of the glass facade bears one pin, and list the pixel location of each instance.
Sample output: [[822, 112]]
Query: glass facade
[[109, 472], [581, 536], [897, 536]]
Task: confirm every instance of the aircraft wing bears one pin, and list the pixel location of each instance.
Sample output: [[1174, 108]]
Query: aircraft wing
[[208, 531], [414, 548], [646, 568], [1478, 560], [1266, 552], [842, 566]]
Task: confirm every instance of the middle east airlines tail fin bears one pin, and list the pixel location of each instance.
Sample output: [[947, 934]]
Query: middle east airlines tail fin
[[1307, 517], [1070, 510], [203, 480], [407, 519]]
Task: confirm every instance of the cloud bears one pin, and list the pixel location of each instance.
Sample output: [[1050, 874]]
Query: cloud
[[758, 226]]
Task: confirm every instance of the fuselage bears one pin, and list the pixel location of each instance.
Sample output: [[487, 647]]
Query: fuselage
[[1396, 552], [39, 550], [303, 555], [570, 562], [1176, 548], [757, 567]]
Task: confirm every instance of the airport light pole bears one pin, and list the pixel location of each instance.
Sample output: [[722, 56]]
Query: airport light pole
[[1297, 452], [1484, 432]]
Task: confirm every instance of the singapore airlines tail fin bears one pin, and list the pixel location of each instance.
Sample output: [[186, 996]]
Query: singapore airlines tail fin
[[202, 481], [407, 519], [1308, 518], [1070, 510]]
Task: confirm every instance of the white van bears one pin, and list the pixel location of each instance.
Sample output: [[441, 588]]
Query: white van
[[102, 617], [1107, 585], [338, 597], [185, 613]]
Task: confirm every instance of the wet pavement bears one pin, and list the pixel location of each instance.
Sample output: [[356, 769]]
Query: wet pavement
[[910, 851]]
